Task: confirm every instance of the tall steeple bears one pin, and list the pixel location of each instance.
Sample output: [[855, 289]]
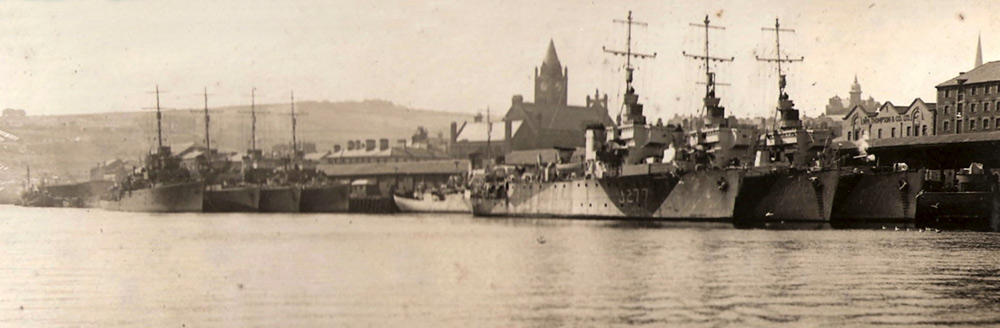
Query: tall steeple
[[551, 79], [979, 51]]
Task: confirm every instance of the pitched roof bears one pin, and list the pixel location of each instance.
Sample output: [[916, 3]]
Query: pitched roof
[[423, 167], [479, 131], [989, 72], [558, 117], [941, 139], [409, 152], [525, 157]]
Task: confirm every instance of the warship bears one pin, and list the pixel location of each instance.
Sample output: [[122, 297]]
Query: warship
[[792, 183], [225, 190], [622, 175], [317, 194], [161, 185]]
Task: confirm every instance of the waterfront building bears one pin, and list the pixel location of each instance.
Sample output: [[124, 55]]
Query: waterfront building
[[548, 122], [890, 121], [970, 101]]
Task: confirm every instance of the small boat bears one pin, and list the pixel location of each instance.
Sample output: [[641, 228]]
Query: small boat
[[454, 202]]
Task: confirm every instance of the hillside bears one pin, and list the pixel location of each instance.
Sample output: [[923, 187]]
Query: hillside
[[68, 145]]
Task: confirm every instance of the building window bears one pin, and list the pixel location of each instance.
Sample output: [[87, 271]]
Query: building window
[[958, 110], [958, 126], [974, 90], [879, 135], [945, 128], [892, 134], [947, 93], [986, 106], [972, 108], [946, 110], [986, 124], [924, 132], [848, 135], [972, 124], [909, 129]]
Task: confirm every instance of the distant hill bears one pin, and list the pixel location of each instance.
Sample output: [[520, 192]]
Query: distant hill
[[68, 145]]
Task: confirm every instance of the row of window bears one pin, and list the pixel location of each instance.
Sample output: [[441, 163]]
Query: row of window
[[359, 160], [972, 107], [914, 131], [987, 89], [973, 123]]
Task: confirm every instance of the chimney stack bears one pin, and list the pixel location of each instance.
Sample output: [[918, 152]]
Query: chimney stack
[[336, 148], [369, 144], [383, 144], [401, 143], [351, 145]]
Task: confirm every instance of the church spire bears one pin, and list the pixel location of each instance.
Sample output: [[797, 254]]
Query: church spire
[[979, 51], [551, 61]]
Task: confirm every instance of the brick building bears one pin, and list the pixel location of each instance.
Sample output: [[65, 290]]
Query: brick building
[[548, 122], [969, 101], [890, 121]]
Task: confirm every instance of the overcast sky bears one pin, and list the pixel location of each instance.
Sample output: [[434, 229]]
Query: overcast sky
[[60, 57]]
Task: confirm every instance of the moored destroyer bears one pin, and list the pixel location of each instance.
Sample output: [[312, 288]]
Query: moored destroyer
[[161, 185], [792, 184], [633, 170]]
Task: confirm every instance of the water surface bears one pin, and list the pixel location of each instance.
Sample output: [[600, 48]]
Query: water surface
[[90, 268]]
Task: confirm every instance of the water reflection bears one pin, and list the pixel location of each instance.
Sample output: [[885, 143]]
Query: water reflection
[[77, 268]]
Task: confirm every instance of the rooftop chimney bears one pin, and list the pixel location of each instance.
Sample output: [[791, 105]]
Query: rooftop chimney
[[383, 144], [369, 144]]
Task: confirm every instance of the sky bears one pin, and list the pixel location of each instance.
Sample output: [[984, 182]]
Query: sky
[[68, 57]]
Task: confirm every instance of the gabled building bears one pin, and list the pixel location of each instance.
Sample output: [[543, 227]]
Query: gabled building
[[890, 121], [548, 122]]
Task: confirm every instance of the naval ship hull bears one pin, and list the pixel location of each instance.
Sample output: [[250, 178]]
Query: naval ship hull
[[787, 199], [235, 199], [280, 199], [325, 199], [452, 203], [876, 199], [627, 197], [179, 197]]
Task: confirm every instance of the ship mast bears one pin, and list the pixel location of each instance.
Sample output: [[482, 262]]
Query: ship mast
[[253, 120], [630, 97], [208, 140], [710, 100], [159, 118], [489, 135], [295, 149], [783, 101]]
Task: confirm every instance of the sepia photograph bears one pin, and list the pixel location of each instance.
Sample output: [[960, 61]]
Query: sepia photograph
[[447, 163]]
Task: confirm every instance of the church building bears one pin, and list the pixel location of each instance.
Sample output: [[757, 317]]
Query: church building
[[547, 122]]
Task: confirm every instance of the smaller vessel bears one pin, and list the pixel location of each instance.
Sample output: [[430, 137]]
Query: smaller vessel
[[971, 201], [161, 185], [225, 187], [452, 197]]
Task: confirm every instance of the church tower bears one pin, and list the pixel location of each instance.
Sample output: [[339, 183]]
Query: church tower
[[855, 94], [551, 79]]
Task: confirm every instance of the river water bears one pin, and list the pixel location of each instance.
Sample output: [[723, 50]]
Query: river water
[[90, 268]]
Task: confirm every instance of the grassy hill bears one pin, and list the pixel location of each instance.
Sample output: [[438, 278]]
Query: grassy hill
[[68, 145]]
